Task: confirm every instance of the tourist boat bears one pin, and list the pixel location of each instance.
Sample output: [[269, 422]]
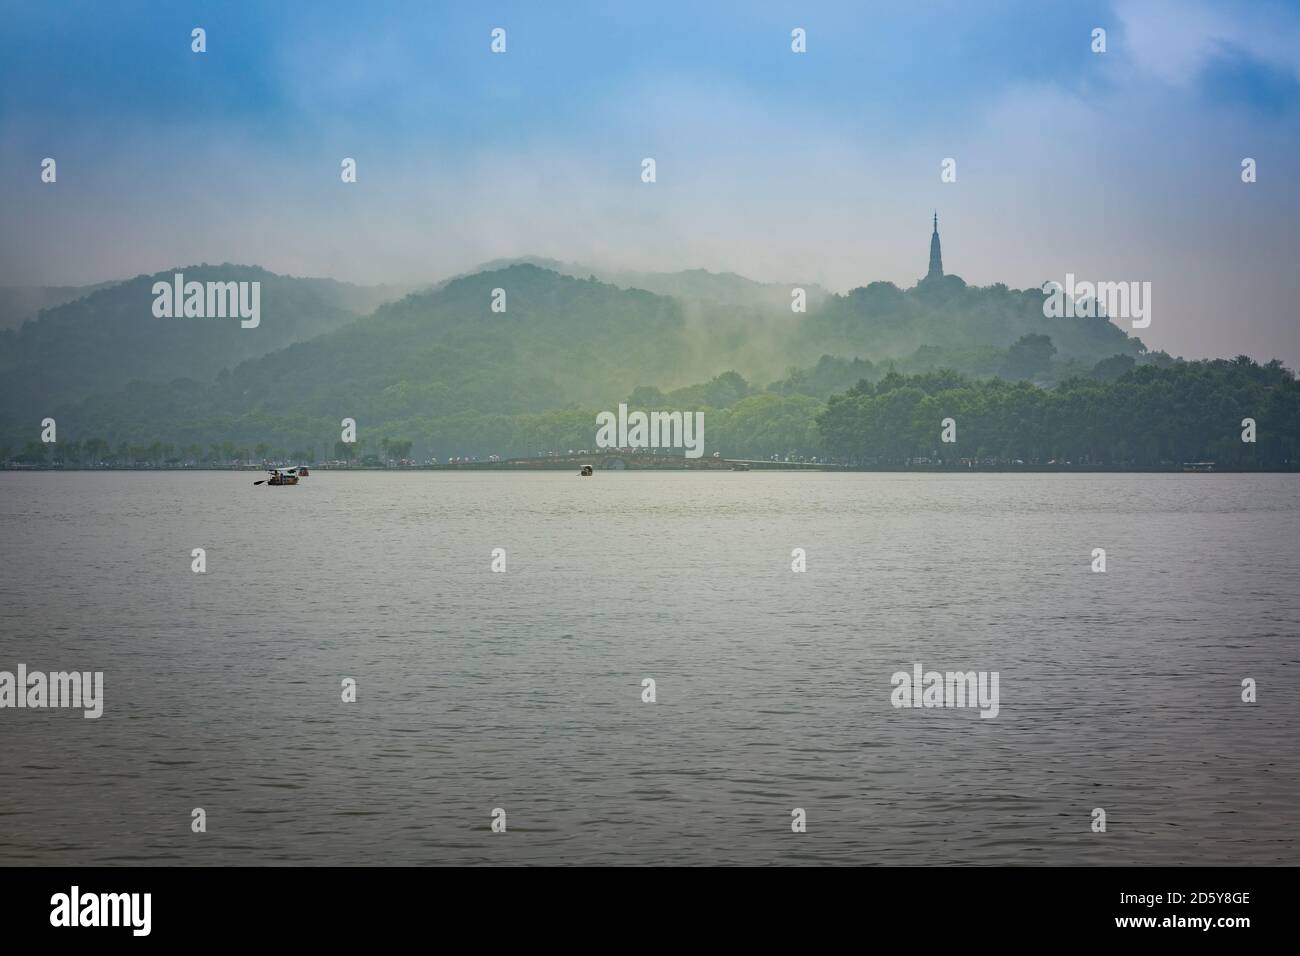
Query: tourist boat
[[283, 476]]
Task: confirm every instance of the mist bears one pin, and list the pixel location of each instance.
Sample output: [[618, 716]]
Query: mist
[[1058, 172]]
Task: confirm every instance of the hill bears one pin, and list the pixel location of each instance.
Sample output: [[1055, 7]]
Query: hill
[[956, 322], [433, 359], [443, 370], [19, 303], [103, 341]]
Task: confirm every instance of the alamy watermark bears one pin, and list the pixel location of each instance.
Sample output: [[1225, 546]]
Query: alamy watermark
[[651, 430], [75, 908], [947, 689], [208, 300], [36, 689], [1090, 300]]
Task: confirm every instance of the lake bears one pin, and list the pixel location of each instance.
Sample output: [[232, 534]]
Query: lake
[[522, 690]]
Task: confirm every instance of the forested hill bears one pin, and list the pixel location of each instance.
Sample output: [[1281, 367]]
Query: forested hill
[[695, 286], [1147, 418], [451, 374], [559, 340], [105, 340], [20, 303], [956, 319], [430, 357]]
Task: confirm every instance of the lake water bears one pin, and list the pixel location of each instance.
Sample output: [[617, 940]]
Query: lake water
[[522, 690]]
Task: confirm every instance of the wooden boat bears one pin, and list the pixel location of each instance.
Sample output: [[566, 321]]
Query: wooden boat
[[283, 476]]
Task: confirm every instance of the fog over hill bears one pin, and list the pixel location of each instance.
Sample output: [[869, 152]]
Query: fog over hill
[[104, 340], [22, 302], [448, 371]]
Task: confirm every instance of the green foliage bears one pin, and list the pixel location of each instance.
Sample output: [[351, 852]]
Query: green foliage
[[883, 320], [1110, 369], [721, 391], [765, 425], [439, 374], [828, 376], [1030, 356], [111, 338], [1149, 417]]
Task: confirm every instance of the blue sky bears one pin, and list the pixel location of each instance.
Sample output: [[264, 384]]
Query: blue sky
[[820, 167]]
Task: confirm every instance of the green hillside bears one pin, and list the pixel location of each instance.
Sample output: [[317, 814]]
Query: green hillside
[[110, 338], [957, 322], [437, 357], [443, 372], [20, 303]]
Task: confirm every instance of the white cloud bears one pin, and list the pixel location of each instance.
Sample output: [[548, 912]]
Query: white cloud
[[1172, 40]]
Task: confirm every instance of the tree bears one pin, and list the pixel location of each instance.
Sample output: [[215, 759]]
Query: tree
[[1151, 417], [96, 450], [725, 390], [1110, 369], [1030, 355], [645, 397]]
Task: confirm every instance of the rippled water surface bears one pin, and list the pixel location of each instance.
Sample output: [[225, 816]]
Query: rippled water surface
[[522, 690]]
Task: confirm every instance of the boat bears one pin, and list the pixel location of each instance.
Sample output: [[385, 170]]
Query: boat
[[739, 466], [586, 471], [1198, 466], [283, 476]]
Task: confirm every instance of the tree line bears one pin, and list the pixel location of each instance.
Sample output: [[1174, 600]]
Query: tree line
[[1121, 416], [1148, 417]]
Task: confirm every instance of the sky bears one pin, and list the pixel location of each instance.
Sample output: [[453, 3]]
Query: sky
[[821, 166]]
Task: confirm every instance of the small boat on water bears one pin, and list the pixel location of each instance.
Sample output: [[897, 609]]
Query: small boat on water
[[281, 476], [586, 471]]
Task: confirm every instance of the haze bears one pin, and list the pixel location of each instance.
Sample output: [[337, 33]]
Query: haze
[[817, 167]]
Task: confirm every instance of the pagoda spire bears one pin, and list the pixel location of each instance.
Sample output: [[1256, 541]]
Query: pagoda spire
[[936, 258]]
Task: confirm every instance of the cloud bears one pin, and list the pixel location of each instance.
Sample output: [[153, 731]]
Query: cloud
[[1173, 41], [1114, 166]]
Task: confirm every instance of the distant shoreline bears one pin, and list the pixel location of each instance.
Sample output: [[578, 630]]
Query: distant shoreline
[[725, 467]]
